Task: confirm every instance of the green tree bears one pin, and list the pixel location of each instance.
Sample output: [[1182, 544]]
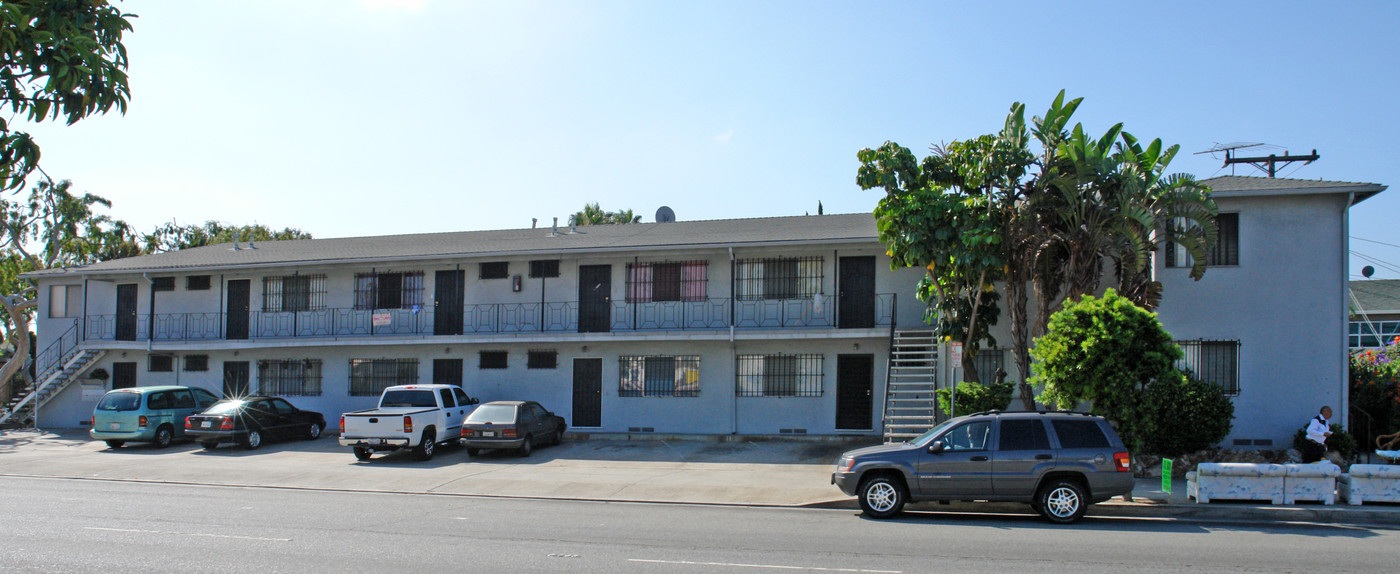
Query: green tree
[[173, 236], [53, 227], [58, 59], [1107, 352], [593, 214], [946, 215], [1187, 415]]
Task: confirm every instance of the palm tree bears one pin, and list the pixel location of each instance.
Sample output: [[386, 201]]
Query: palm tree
[[593, 214]]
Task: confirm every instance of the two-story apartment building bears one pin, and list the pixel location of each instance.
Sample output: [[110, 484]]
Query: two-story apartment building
[[750, 326], [762, 326]]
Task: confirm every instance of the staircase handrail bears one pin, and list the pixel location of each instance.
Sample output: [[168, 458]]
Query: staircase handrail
[[56, 354]]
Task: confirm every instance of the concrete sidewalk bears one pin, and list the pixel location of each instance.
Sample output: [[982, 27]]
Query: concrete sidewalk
[[785, 473]]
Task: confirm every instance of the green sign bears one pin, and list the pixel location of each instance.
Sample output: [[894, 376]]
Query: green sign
[[1167, 475]]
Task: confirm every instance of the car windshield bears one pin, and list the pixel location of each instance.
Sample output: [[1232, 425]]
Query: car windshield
[[932, 432], [494, 414], [408, 399], [225, 408], [119, 402]]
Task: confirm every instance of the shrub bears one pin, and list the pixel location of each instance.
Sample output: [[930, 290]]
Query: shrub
[[1341, 441], [1105, 351], [1187, 415], [976, 397], [1374, 391]]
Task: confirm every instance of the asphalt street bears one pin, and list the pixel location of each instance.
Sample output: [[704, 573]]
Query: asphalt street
[[77, 525]]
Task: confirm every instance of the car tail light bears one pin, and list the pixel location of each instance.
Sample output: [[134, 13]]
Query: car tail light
[[466, 432], [187, 423], [508, 432], [407, 423], [93, 421], [226, 424], [141, 421], [1120, 460], [342, 424]]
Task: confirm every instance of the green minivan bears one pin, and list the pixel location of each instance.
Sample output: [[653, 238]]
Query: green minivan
[[147, 414]]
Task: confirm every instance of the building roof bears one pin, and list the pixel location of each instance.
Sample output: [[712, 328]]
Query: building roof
[[1376, 296], [1244, 186], [719, 233]]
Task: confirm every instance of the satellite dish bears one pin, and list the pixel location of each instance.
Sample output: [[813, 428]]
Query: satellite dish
[[665, 214], [1368, 271]]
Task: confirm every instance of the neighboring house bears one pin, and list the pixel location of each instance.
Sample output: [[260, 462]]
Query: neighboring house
[[1375, 313], [769, 326]]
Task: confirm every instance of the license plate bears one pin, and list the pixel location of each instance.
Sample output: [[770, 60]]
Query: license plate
[[114, 426], [204, 424], [488, 433]]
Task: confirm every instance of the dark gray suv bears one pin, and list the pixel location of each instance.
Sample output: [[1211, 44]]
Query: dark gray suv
[[1059, 463]]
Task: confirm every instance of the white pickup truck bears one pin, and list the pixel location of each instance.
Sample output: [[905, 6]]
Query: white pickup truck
[[409, 416]]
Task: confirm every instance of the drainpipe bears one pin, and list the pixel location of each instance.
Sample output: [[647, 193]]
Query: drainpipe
[[1346, 279], [733, 349], [733, 282]]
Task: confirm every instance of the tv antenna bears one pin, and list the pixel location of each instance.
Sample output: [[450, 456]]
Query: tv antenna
[[1268, 164]]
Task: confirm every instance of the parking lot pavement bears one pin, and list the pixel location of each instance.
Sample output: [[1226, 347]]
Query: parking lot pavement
[[768, 473]]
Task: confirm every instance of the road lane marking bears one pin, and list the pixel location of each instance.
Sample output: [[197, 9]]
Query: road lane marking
[[768, 566], [188, 534]]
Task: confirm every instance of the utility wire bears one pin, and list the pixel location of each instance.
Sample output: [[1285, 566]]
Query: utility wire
[[1374, 241]]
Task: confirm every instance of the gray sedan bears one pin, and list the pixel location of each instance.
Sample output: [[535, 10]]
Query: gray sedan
[[511, 425]]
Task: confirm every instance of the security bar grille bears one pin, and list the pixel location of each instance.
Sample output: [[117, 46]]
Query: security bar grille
[[778, 376], [659, 376], [778, 278], [369, 377], [290, 377], [1213, 361]]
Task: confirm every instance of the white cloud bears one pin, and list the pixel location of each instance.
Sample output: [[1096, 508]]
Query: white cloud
[[394, 5], [725, 137]]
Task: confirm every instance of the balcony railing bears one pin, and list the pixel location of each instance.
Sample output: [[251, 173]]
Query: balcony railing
[[488, 318]]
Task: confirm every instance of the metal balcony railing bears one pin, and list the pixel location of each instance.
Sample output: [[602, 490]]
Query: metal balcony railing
[[483, 318]]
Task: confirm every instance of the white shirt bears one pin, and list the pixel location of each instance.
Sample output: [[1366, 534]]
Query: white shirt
[[1317, 430]]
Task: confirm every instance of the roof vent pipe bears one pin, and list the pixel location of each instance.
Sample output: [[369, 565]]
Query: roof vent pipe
[[555, 230], [534, 222]]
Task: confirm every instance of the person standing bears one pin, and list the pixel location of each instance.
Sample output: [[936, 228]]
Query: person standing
[[1315, 447]]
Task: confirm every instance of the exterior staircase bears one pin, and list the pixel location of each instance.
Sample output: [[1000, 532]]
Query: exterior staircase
[[57, 367], [911, 405]]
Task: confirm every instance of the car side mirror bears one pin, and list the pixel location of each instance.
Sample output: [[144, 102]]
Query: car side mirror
[[473, 401], [936, 447]]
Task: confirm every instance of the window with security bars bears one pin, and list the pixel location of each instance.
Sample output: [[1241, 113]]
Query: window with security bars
[[163, 284], [398, 290], [1225, 251], [542, 360], [493, 360], [1213, 361], [160, 364], [777, 278], [197, 283], [494, 270], [369, 377], [659, 376], [988, 361], [291, 378], [196, 363], [779, 376], [668, 281], [293, 293], [544, 268]]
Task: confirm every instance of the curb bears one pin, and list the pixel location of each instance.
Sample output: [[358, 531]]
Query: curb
[[1339, 515]]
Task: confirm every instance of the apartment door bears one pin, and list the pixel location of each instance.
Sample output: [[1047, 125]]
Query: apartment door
[[236, 323], [588, 393], [448, 301], [857, 293], [236, 379], [594, 298], [123, 375], [855, 377], [126, 312], [447, 372]]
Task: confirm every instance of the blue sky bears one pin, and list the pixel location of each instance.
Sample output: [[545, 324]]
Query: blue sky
[[368, 117]]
